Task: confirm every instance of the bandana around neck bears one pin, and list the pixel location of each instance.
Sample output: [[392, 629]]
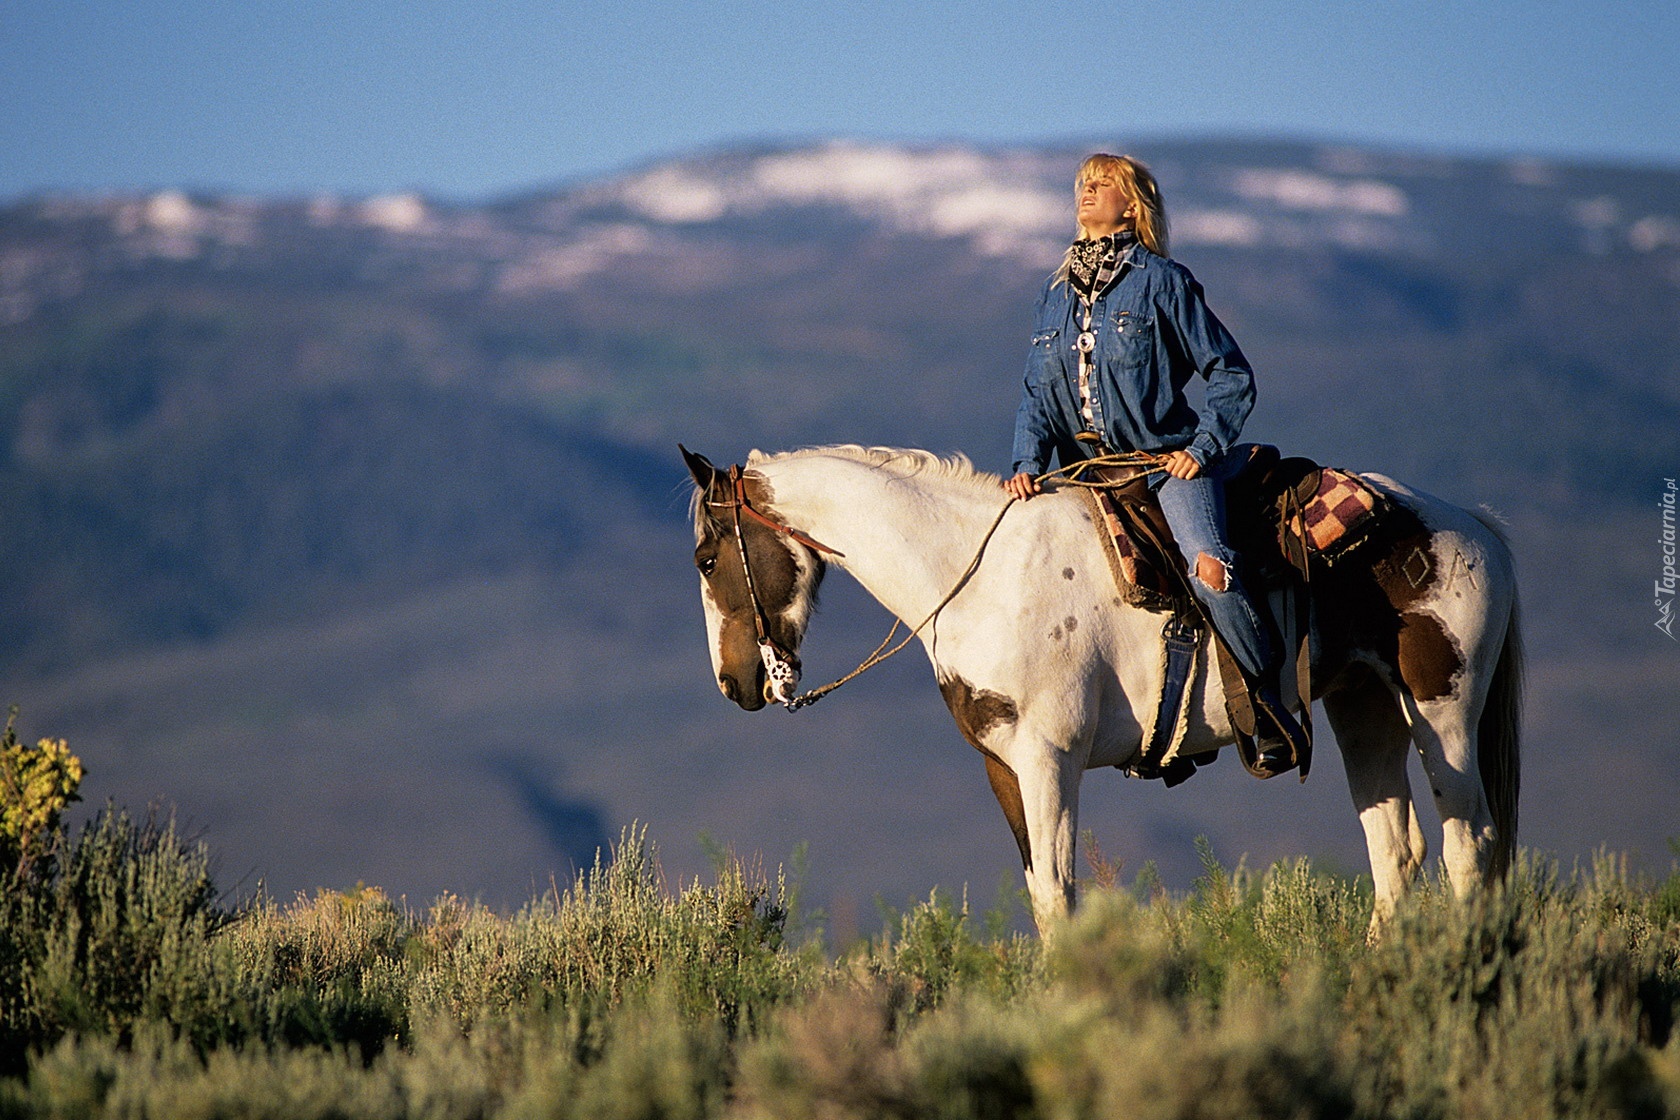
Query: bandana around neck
[[1092, 260]]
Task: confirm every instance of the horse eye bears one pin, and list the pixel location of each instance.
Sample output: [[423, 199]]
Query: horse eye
[[707, 565]]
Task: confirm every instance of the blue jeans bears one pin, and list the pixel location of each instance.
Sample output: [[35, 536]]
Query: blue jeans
[[1195, 509]]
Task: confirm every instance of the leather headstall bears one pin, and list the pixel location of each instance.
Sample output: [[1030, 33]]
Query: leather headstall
[[740, 503], [781, 666]]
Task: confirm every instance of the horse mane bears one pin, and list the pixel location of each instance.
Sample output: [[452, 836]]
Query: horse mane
[[905, 461]]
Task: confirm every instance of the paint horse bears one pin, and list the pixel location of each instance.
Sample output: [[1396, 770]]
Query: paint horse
[[1414, 642]]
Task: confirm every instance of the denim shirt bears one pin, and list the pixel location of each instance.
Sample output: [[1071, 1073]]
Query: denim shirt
[[1153, 330]]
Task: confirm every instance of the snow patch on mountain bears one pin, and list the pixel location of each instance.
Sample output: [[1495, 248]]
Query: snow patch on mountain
[[398, 213], [172, 212], [1305, 190], [675, 194], [1231, 228], [1653, 232], [1001, 202], [173, 226], [561, 266]]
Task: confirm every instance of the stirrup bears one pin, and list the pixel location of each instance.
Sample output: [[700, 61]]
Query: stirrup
[[1280, 740]]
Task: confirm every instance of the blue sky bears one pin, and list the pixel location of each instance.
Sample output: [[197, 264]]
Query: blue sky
[[477, 99]]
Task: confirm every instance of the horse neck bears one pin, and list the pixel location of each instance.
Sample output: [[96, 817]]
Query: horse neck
[[905, 537]]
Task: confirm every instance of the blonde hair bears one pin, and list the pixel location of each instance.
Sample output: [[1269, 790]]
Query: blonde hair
[[1138, 184]]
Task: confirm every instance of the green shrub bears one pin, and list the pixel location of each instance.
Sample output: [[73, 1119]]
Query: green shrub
[[131, 993], [718, 949], [934, 948], [326, 971], [1539, 999], [120, 932]]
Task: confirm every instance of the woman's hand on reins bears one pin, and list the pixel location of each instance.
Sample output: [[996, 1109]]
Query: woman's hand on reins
[[1022, 486], [1181, 464]]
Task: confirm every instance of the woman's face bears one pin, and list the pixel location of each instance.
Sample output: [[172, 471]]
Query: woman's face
[[1102, 207]]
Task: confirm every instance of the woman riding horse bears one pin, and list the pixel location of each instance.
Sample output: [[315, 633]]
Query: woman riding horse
[[1118, 331]]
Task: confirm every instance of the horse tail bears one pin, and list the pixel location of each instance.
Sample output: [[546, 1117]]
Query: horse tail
[[1498, 733]]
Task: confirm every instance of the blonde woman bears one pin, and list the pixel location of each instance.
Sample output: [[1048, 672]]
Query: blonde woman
[[1119, 330]]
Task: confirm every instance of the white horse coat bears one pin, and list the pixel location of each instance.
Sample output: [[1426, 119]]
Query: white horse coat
[[1049, 674]]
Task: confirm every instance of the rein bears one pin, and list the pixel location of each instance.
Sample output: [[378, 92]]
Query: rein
[[1147, 462], [782, 667], [874, 659]]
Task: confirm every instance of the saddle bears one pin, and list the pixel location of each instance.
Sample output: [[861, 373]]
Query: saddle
[[1281, 514]]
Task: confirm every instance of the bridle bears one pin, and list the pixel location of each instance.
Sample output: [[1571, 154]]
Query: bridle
[[781, 666]]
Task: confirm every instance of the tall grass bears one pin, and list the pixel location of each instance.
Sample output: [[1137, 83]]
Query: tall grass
[[132, 991]]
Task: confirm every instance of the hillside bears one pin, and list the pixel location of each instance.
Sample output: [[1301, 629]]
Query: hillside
[[355, 527]]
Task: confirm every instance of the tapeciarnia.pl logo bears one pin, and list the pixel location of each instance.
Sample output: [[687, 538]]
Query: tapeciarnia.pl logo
[[1665, 585]]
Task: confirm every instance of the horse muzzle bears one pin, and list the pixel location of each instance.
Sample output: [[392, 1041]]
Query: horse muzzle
[[772, 679], [748, 694]]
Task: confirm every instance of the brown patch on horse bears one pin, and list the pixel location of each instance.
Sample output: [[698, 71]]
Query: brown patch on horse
[[1007, 789], [977, 711], [1430, 660], [1370, 602], [775, 573]]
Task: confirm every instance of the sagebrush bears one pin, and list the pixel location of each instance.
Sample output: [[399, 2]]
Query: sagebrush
[[131, 990]]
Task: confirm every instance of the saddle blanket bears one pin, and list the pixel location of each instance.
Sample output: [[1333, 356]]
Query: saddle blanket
[[1340, 512]]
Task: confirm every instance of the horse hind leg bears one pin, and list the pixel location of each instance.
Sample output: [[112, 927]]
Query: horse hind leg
[[1468, 737], [1445, 732], [1375, 744], [1458, 661]]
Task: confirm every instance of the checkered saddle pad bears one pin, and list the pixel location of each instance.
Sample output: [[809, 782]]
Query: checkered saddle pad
[[1340, 512]]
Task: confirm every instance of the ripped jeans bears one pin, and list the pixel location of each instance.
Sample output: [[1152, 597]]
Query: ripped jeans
[[1195, 509]]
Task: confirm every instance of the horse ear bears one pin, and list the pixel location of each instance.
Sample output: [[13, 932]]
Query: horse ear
[[700, 467]]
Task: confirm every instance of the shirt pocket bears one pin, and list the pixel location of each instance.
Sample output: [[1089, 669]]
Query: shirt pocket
[[1044, 357], [1135, 332]]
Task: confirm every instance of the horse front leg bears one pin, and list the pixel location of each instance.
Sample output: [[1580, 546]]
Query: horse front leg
[[1037, 785], [1048, 783]]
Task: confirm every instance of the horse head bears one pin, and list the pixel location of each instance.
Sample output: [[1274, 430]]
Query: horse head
[[758, 583]]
